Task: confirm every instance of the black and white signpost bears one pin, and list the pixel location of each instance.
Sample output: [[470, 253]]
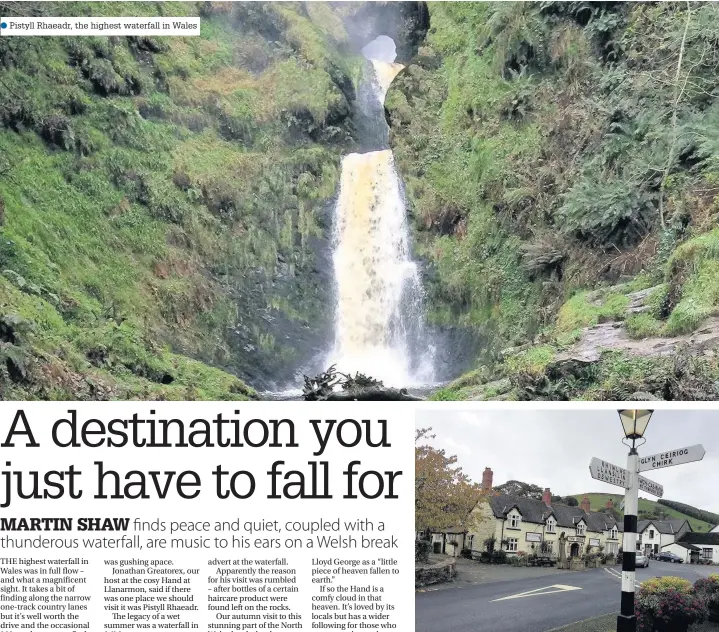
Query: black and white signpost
[[627, 621], [635, 424]]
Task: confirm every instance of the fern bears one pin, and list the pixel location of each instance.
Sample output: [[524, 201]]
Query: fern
[[518, 35]]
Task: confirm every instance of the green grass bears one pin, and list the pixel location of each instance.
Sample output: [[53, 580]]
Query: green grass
[[599, 501], [643, 325], [590, 308], [693, 271], [533, 361], [475, 385]]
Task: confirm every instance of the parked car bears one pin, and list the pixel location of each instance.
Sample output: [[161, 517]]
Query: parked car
[[670, 557], [642, 561]]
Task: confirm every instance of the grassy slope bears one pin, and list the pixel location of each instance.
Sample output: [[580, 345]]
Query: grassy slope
[[599, 501], [152, 193], [545, 159]]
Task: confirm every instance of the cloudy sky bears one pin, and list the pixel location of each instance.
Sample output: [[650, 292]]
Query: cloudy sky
[[552, 448]]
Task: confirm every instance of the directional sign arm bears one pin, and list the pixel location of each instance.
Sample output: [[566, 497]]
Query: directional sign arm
[[650, 487], [619, 476], [670, 458], [608, 472]]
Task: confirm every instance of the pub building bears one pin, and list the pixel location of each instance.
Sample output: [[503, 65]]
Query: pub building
[[532, 526]]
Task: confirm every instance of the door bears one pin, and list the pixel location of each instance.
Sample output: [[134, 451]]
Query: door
[[574, 550]]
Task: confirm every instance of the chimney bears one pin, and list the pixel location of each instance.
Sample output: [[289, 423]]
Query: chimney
[[547, 497], [585, 504], [487, 477], [610, 504]]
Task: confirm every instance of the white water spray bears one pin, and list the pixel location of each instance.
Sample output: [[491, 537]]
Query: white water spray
[[378, 315]]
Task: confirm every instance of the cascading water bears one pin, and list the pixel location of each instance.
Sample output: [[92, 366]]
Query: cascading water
[[378, 314]]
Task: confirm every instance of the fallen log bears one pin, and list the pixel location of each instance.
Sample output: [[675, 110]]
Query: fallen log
[[372, 393], [333, 386]]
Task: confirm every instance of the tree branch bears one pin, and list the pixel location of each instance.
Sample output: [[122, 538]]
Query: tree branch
[[677, 98]]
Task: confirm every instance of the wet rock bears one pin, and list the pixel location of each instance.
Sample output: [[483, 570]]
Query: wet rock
[[613, 337], [638, 300], [496, 390], [406, 23]]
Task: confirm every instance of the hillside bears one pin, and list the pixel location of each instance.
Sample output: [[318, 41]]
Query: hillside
[[162, 201], [562, 160], [647, 509]]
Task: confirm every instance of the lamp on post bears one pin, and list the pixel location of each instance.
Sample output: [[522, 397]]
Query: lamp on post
[[634, 423]]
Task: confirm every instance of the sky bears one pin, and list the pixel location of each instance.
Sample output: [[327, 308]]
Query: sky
[[552, 448]]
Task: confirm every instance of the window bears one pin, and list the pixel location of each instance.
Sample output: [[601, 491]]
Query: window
[[515, 521], [547, 548], [651, 534], [706, 554], [612, 548], [613, 534], [512, 544], [580, 528], [551, 523]]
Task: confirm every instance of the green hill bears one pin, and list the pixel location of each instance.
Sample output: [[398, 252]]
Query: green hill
[[647, 509]]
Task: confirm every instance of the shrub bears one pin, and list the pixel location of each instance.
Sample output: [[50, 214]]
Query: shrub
[[499, 557], [707, 590], [661, 584], [421, 550], [667, 604], [606, 212], [520, 559]]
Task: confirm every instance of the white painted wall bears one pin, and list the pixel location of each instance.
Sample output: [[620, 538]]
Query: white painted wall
[[685, 553], [657, 542], [677, 550]]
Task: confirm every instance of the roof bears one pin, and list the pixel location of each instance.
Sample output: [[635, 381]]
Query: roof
[[710, 539], [537, 512], [685, 545], [667, 527]]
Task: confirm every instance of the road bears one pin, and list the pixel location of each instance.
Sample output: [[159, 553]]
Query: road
[[552, 601]]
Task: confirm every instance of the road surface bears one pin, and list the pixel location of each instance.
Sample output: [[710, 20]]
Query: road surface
[[535, 605]]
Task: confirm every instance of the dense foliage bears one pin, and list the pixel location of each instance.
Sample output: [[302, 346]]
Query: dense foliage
[[699, 514], [161, 199], [669, 604], [444, 496], [707, 589], [520, 489], [560, 157]]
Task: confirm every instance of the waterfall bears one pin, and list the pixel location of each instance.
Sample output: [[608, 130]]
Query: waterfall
[[378, 313]]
